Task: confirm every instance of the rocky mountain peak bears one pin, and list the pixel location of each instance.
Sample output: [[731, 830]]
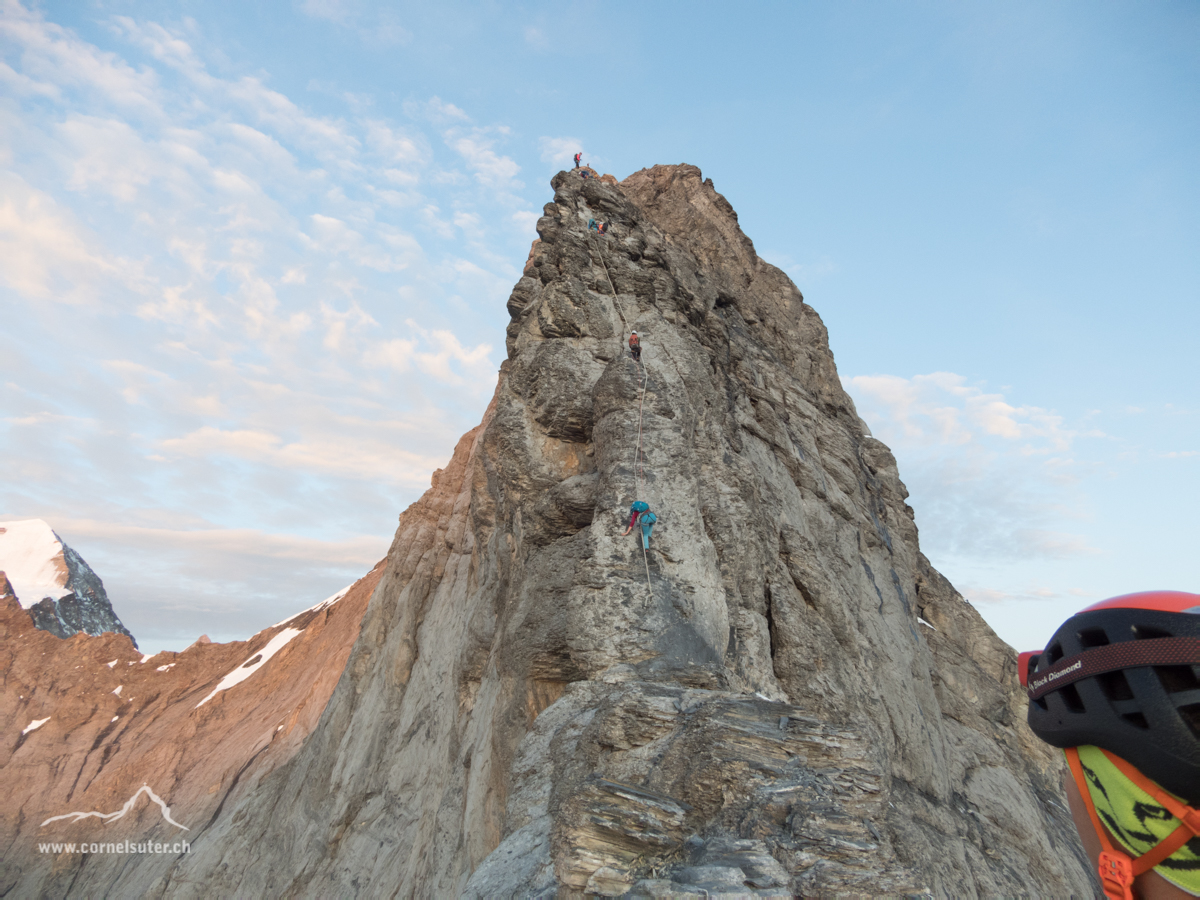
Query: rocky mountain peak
[[775, 694], [53, 583]]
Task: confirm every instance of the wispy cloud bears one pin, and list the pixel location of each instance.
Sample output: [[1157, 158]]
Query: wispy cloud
[[49, 256], [941, 408], [372, 25], [225, 307], [1029, 594], [991, 479]]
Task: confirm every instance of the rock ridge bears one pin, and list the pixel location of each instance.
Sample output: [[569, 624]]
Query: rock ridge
[[782, 698]]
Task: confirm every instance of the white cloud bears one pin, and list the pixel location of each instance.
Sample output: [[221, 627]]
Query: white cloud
[[54, 56], [1031, 594], [47, 255], [942, 408], [339, 324], [395, 354], [395, 146], [990, 479], [338, 11], [447, 349], [232, 310], [467, 221], [440, 110], [526, 221], [490, 168], [372, 460], [373, 26], [19, 83]]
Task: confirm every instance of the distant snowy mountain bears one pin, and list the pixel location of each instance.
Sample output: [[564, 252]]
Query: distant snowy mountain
[[104, 743], [53, 583]]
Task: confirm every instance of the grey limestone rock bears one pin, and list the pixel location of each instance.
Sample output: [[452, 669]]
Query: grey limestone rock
[[536, 708]]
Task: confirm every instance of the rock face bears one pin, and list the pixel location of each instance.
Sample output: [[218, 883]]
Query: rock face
[[88, 722], [782, 697], [54, 583]]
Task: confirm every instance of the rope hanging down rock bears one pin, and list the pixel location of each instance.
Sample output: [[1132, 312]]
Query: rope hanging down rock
[[639, 473], [638, 465]]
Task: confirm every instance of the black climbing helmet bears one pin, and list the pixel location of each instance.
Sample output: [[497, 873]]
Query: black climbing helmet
[[1124, 675]]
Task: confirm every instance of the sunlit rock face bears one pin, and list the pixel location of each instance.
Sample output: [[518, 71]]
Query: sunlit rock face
[[53, 582], [782, 697], [105, 745]]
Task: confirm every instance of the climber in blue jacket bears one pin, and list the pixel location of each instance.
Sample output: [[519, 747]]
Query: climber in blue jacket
[[637, 508], [648, 520]]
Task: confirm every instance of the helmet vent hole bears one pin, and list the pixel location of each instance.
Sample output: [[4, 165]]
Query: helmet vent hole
[[1136, 719], [1146, 632], [1093, 637], [1191, 715], [1052, 655], [1040, 703], [1175, 679], [1072, 699], [1115, 687]]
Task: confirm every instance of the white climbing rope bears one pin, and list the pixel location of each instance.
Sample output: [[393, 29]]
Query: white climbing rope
[[638, 474], [637, 457]]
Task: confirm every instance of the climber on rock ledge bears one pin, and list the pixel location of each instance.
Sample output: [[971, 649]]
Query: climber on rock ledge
[[635, 347]]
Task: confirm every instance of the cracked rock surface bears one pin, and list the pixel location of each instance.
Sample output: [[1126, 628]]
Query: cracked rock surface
[[534, 708]]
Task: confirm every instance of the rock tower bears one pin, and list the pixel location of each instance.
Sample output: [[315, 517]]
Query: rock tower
[[782, 697]]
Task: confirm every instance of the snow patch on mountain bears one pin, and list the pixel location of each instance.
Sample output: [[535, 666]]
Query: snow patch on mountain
[[31, 555], [253, 664]]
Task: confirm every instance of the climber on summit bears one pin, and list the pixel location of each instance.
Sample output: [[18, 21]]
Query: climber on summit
[[1117, 689], [648, 520], [635, 346], [637, 508], [578, 156]]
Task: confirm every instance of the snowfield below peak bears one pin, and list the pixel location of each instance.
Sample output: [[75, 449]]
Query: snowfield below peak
[[245, 670], [31, 555]]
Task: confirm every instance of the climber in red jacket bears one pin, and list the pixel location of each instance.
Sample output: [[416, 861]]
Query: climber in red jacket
[[578, 156], [635, 346]]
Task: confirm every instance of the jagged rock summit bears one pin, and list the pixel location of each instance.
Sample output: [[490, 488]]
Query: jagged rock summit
[[781, 698], [58, 588]]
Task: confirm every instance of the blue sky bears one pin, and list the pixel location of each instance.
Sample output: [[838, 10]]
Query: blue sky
[[255, 261]]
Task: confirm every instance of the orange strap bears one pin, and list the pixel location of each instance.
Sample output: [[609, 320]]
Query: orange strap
[[1186, 814], [1117, 869]]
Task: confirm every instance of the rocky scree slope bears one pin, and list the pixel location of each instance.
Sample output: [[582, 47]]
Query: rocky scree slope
[[534, 709]]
